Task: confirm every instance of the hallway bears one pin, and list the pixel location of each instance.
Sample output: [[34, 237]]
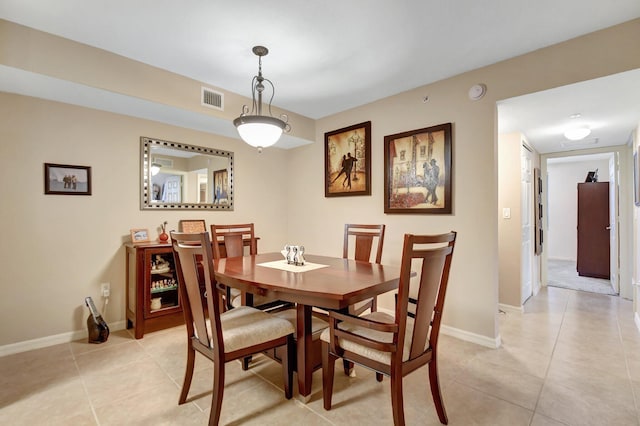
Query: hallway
[[563, 274]]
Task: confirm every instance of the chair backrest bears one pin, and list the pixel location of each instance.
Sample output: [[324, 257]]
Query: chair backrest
[[364, 237], [192, 226], [228, 240], [429, 257], [193, 256]]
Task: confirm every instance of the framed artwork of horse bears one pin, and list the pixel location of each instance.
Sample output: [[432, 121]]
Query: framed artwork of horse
[[418, 170]]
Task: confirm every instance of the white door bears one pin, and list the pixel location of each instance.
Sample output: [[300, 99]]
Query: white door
[[526, 210], [172, 192], [613, 222]]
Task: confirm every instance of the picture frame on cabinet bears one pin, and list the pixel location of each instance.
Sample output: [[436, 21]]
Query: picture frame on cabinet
[[347, 161], [139, 235], [418, 171], [65, 179]]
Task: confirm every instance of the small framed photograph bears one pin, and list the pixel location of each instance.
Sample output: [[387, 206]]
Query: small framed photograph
[[66, 179], [139, 235], [418, 170], [347, 161]]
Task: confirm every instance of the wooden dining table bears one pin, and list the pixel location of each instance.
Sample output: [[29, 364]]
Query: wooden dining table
[[335, 285]]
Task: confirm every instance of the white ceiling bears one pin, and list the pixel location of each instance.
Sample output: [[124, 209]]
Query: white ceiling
[[609, 106], [329, 56]]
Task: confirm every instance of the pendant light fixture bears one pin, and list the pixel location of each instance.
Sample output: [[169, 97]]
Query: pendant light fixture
[[155, 168], [260, 131]]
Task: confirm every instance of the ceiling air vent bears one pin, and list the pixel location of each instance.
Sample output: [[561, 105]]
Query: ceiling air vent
[[212, 99], [163, 162]]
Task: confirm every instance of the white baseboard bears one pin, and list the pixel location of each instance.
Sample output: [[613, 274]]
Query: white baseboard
[[56, 339], [467, 336], [511, 308], [462, 334]]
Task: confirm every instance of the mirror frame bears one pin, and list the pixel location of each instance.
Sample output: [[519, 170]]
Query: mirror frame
[[145, 199]]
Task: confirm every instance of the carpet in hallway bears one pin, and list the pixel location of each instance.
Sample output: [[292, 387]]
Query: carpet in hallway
[[562, 273]]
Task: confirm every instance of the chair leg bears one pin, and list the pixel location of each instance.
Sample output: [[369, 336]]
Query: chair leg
[[396, 398], [227, 299], [245, 362], [348, 367], [287, 367], [435, 392], [379, 376], [188, 374], [218, 393], [328, 370]]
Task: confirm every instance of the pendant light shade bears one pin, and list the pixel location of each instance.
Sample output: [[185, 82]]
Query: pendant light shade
[[260, 131], [155, 168]]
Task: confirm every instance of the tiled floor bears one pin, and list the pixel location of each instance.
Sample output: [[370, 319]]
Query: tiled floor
[[572, 358]]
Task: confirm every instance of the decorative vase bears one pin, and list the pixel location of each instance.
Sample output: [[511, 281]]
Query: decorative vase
[[163, 237]]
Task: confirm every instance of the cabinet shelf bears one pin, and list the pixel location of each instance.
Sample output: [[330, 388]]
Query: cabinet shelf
[[163, 289]]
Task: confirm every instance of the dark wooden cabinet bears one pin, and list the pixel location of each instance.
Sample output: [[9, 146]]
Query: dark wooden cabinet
[[152, 299], [593, 230]]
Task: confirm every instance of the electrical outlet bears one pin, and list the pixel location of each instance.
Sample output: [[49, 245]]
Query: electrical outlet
[[105, 289]]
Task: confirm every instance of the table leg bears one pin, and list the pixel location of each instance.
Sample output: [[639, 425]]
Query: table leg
[[303, 347]]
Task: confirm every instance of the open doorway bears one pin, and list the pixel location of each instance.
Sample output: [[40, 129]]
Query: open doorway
[[608, 108], [572, 218]]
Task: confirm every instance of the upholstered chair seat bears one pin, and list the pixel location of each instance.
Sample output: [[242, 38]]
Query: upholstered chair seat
[[245, 326], [379, 336]]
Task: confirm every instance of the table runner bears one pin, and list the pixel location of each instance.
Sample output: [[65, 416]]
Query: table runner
[[283, 265]]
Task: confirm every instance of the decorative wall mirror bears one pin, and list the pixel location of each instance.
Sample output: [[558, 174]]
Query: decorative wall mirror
[[177, 176]]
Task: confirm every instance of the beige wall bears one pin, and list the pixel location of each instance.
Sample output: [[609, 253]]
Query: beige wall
[[58, 249], [509, 230], [471, 305]]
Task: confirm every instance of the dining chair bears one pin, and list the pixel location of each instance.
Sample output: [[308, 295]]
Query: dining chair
[[192, 226], [397, 345], [363, 238], [222, 336], [230, 241]]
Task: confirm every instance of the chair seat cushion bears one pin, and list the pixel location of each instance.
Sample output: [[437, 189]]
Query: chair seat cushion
[[380, 356], [246, 326]]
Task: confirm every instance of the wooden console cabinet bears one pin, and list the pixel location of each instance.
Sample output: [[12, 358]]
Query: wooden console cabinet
[[152, 300]]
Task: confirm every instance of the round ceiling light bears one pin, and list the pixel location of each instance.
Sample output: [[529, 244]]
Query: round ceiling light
[[577, 133]]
